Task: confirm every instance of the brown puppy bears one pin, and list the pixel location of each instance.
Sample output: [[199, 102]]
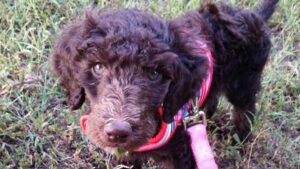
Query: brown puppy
[[125, 63]]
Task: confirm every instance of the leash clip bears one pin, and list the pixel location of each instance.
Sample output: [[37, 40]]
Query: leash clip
[[197, 118]]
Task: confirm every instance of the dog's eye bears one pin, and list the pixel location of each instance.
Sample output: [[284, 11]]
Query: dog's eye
[[97, 69], [153, 75]]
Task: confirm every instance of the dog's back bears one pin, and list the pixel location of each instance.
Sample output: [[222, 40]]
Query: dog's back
[[241, 46]]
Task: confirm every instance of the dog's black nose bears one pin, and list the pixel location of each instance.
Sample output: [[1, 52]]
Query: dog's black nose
[[117, 131]]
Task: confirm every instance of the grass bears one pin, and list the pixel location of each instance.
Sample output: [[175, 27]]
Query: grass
[[38, 131]]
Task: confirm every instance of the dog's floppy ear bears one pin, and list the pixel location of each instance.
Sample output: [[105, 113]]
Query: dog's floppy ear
[[63, 61], [191, 67], [188, 74], [68, 53]]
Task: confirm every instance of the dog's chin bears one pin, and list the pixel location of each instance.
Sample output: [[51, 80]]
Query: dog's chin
[[125, 147], [128, 146]]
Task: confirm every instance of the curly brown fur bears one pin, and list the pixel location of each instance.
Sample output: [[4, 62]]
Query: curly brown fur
[[125, 63]]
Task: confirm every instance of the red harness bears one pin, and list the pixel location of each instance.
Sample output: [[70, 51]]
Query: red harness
[[168, 129]]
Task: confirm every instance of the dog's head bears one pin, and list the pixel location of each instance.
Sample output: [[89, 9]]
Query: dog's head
[[125, 64]]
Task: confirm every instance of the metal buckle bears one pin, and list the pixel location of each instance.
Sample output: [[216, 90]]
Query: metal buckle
[[197, 118]]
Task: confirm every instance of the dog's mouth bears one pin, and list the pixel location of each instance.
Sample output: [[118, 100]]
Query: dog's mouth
[[128, 146]]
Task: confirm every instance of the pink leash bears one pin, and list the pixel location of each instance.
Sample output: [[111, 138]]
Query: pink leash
[[201, 148]]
